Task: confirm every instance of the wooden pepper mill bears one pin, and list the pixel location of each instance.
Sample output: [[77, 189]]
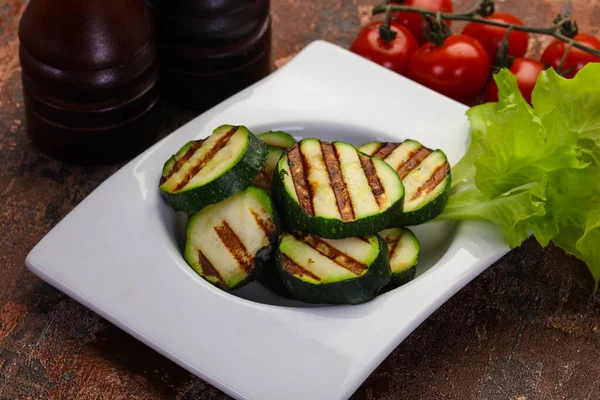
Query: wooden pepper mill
[[90, 78], [211, 49]]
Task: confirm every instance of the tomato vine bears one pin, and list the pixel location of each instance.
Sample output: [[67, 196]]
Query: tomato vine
[[564, 27]]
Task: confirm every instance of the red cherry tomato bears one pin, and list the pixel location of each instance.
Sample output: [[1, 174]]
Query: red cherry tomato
[[576, 59], [491, 36], [527, 71], [458, 69], [414, 21], [394, 55]]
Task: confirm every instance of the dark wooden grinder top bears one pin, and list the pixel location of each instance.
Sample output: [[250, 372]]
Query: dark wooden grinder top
[[90, 78]]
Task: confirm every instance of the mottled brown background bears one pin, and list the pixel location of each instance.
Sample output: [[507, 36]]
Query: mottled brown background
[[527, 328]]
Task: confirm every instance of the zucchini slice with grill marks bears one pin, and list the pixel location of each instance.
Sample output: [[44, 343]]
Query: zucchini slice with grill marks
[[343, 271], [228, 242], [403, 253], [280, 139], [334, 191], [207, 171], [277, 142], [265, 177], [425, 174]]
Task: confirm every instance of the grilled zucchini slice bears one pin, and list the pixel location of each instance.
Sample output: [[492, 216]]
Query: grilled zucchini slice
[[334, 191], [265, 177], [207, 171], [277, 142], [343, 271], [425, 174], [228, 242], [403, 253], [280, 139]]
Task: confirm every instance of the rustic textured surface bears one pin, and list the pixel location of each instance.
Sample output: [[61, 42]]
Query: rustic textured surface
[[527, 328]]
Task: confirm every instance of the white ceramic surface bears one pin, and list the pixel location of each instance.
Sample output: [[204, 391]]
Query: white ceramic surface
[[118, 252]]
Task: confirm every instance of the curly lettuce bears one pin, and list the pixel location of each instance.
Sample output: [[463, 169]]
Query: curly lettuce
[[536, 170]]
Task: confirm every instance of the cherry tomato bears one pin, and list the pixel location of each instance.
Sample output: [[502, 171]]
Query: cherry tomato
[[414, 21], [491, 36], [526, 70], [394, 55], [458, 69], [576, 59]]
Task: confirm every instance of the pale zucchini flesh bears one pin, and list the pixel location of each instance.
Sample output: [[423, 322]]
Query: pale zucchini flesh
[[280, 139], [403, 253], [332, 271], [265, 178], [334, 191], [170, 164], [227, 242], [425, 174], [208, 171]]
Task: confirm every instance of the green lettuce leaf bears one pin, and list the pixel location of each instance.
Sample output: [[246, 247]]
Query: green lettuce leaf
[[573, 200], [520, 148], [535, 170], [508, 90], [577, 100], [512, 146], [483, 116], [480, 118], [517, 214]]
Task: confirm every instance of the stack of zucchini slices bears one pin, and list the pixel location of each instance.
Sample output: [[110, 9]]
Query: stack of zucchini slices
[[316, 221]]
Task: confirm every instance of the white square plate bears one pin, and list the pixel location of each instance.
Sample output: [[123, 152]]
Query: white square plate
[[119, 251]]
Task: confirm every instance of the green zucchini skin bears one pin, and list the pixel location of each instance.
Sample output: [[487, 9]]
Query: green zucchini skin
[[262, 258], [230, 182], [264, 268], [405, 272], [400, 279], [430, 210], [268, 276], [277, 142], [352, 291], [427, 211], [171, 161], [295, 218], [265, 178]]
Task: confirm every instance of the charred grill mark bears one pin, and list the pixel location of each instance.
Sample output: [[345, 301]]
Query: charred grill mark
[[335, 255], [386, 150], [294, 268], [267, 178], [209, 270], [392, 243], [299, 173], [414, 161], [220, 143], [179, 163], [364, 239], [371, 173], [262, 179], [336, 180], [434, 180], [235, 246], [375, 148], [266, 225]]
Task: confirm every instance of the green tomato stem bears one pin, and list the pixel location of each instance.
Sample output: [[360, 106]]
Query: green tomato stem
[[564, 57]]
